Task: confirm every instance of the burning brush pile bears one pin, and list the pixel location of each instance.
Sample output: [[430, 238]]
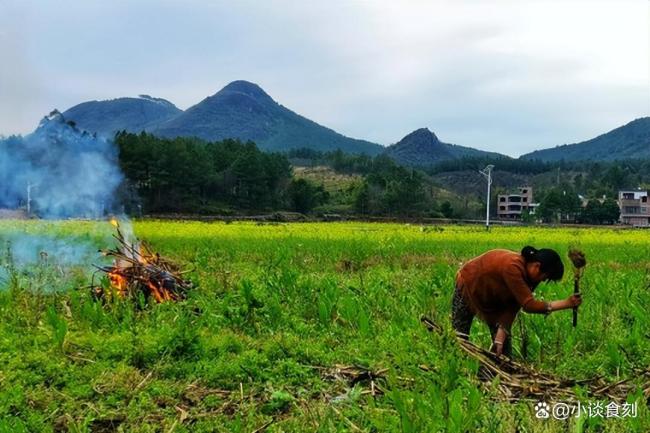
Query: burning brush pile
[[136, 269]]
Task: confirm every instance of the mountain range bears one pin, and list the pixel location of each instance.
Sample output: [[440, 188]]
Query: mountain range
[[243, 110], [629, 141], [240, 110]]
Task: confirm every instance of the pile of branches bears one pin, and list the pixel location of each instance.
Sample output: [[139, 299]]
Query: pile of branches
[[521, 382], [137, 269]]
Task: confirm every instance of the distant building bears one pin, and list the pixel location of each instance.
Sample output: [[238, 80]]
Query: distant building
[[635, 209], [511, 206]]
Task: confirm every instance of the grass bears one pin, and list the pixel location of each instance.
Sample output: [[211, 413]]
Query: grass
[[278, 305]]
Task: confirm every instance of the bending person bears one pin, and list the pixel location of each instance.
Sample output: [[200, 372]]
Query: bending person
[[497, 284]]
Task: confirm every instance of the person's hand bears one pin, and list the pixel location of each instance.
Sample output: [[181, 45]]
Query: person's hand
[[497, 349], [499, 341], [575, 300]]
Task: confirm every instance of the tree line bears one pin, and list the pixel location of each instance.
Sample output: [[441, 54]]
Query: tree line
[[564, 204], [194, 176], [189, 175]]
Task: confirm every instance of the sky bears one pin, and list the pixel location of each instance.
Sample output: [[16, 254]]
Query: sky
[[504, 76]]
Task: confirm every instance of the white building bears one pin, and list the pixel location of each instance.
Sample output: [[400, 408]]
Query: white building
[[634, 207]]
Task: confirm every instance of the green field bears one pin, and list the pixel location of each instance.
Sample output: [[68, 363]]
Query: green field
[[277, 307]]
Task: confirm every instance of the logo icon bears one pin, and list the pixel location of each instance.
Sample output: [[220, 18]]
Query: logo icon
[[542, 410], [562, 411]]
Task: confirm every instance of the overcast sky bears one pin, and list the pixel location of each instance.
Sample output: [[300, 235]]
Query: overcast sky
[[503, 76]]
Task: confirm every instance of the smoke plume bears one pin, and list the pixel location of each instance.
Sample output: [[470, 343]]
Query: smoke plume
[[59, 171]]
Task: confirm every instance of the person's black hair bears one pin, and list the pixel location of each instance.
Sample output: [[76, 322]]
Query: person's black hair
[[549, 261]]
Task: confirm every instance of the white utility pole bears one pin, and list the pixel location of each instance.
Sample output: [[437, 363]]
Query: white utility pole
[[487, 172], [29, 197]]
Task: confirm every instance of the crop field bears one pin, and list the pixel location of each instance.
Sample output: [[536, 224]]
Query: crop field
[[303, 327]]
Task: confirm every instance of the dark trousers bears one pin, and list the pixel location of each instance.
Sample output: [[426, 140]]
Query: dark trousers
[[462, 317]]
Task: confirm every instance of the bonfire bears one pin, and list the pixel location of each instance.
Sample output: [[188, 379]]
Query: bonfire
[[136, 269]]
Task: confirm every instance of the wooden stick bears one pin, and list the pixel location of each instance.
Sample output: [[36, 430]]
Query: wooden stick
[[579, 261], [576, 290]]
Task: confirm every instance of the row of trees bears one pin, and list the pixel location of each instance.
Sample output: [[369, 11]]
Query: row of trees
[[390, 189], [588, 178], [386, 188], [564, 204], [191, 175], [519, 166]]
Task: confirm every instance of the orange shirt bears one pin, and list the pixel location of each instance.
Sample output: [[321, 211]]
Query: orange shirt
[[495, 285]]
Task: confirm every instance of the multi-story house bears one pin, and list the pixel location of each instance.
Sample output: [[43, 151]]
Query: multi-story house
[[511, 206], [635, 209]]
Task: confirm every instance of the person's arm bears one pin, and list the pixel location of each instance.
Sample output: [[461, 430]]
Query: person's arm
[[504, 324], [500, 340], [517, 285]]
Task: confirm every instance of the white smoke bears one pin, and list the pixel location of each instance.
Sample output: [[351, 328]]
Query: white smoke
[[59, 171], [26, 249], [42, 261]]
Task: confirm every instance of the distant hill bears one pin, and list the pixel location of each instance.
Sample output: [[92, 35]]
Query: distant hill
[[422, 148], [240, 110], [631, 141], [130, 114], [243, 110]]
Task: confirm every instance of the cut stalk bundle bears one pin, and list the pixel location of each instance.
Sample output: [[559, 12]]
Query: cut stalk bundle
[[579, 261], [371, 382], [521, 382], [352, 374]]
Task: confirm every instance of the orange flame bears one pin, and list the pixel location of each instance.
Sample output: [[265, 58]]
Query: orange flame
[[121, 285], [119, 282], [159, 294]]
